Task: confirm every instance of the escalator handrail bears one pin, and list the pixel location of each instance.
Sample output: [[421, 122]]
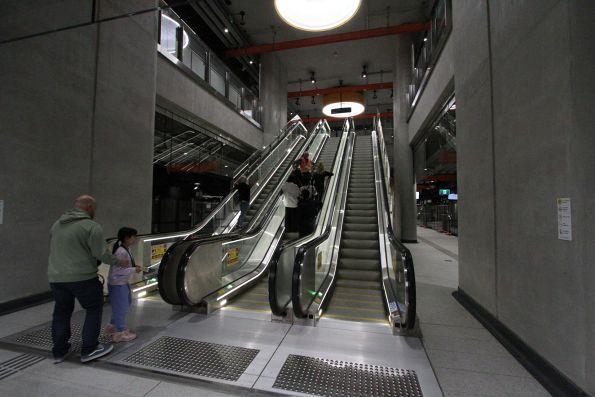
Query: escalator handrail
[[255, 221], [193, 244], [273, 302], [396, 244], [299, 258]]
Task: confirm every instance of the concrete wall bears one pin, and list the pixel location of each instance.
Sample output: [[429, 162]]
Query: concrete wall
[[177, 89], [76, 116], [524, 89], [273, 95]]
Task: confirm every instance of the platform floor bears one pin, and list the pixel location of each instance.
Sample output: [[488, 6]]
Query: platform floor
[[464, 358]]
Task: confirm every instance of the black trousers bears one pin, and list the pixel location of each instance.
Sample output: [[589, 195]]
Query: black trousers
[[89, 293]]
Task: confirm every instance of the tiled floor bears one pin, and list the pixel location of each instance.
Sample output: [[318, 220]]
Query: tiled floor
[[465, 358]]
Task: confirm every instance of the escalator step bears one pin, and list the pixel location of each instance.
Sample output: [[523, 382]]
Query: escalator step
[[350, 235], [359, 284], [360, 243], [361, 253], [361, 275], [363, 220], [356, 227], [360, 264]]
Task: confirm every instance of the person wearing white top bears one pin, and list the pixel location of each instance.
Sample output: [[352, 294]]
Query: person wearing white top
[[291, 192]]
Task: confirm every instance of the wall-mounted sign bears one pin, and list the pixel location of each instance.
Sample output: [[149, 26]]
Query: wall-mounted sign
[[444, 192], [564, 219]]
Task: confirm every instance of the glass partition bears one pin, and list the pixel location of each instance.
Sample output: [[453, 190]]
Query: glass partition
[[180, 43]]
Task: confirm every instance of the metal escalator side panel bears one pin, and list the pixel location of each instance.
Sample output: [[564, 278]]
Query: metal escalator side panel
[[166, 275], [398, 276]]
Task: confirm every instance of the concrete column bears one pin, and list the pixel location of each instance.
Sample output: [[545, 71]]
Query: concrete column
[[404, 179], [273, 95], [76, 111]]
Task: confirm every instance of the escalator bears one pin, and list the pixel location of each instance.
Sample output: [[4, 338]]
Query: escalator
[[352, 268], [357, 294], [256, 298], [208, 272], [260, 169]]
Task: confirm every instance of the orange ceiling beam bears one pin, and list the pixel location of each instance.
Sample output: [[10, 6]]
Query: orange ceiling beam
[[383, 115], [329, 39], [332, 90]]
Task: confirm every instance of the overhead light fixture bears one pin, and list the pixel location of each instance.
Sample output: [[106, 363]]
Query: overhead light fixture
[[425, 39], [364, 71], [391, 92], [313, 101], [251, 62], [375, 96], [226, 30], [316, 15], [297, 101], [343, 104], [312, 78]]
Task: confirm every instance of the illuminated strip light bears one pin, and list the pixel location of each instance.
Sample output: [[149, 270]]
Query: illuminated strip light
[[144, 287]]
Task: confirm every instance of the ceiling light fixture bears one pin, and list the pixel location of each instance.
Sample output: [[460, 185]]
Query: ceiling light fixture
[[342, 105], [251, 62], [375, 96], [226, 30], [364, 71], [313, 101], [297, 101], [312, 78], [316, 15]]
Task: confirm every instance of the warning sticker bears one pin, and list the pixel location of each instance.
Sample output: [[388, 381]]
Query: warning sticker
[[233, 256], [157, 251]]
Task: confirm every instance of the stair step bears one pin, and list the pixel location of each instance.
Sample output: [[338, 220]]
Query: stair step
[[360, 243]]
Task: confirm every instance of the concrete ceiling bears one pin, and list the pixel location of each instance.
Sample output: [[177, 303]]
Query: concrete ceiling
[[331, 62]]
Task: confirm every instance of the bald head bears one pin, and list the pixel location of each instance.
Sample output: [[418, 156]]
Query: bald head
[[87, 204]]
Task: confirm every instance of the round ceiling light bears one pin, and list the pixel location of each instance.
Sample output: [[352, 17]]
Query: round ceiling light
[[316, 15], [342, 105]]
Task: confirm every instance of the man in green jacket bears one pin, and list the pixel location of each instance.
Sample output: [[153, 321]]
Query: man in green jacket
[[76, 244]]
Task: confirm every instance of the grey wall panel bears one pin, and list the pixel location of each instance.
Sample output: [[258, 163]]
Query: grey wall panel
[[177, 88], [76, 116], [475, 160]]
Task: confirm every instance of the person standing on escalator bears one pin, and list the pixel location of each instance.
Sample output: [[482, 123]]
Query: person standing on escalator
[[319, 179], [244, 196]]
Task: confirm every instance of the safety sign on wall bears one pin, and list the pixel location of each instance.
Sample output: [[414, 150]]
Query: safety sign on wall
[[564, 219]]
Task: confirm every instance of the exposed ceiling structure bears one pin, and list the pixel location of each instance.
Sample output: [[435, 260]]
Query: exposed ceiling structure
[[333, 64]]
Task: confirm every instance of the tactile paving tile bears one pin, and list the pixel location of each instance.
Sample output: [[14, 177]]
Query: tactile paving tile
[[18, 363], [332, 378], [42, 338], [194, 357]]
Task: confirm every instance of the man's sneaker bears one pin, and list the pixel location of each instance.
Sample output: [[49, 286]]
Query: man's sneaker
[[124, 336], [100, 351], [109, 329]]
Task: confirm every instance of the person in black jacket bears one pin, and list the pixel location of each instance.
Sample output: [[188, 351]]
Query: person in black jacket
[[307, 211], [244, 196], [319, 179]]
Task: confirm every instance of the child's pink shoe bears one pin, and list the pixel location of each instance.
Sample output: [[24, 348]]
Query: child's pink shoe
[[124, 336]]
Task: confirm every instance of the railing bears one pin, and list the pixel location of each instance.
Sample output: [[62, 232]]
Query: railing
[[440, 217], [151, 248], [178, 42], [424, 59], [283, 270]]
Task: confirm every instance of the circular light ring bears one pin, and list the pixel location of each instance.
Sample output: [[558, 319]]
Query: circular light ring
[[316, 15], [353, 100]]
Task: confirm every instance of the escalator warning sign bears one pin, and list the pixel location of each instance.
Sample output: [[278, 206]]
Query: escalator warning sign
[[157, 251], [233, 256]]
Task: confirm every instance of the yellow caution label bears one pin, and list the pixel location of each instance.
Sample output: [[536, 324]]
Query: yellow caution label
[[157, 251], [233, 256]]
